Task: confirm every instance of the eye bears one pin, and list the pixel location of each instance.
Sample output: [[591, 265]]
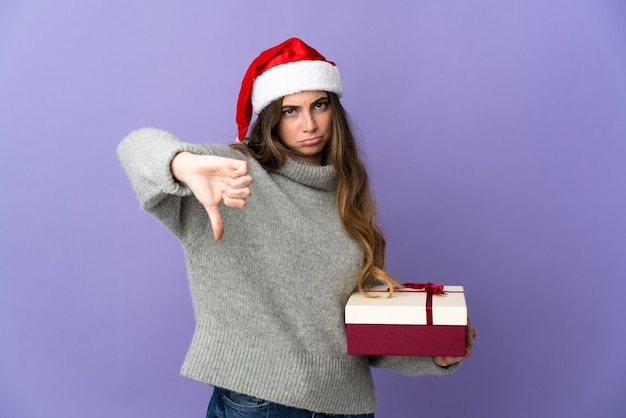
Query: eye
[[289, 111], [321, 105]]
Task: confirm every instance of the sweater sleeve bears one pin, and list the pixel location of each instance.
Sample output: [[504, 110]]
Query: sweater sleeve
[[146, 155], [412, 366]]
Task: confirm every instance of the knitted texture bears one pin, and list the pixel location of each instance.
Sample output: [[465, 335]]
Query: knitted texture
[[269, 296]]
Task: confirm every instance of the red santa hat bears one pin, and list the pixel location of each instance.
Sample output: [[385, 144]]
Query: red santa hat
[[288, 68]]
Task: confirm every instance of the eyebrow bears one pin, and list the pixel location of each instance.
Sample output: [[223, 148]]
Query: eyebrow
[[288, 106]]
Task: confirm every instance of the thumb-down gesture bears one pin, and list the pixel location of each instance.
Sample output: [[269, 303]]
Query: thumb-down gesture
[[212, 180]]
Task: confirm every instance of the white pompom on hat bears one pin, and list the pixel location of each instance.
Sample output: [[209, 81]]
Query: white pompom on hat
[[288, 68]]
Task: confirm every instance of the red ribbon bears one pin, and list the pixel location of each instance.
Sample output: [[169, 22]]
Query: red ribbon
[[430, 289]]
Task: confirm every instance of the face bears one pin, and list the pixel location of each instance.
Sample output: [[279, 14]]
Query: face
[[305, 124]]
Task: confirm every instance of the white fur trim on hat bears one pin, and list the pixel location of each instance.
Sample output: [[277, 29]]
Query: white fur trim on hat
[[294, 77]]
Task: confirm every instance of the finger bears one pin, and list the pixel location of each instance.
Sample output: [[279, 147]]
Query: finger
[[240, 168], [234, 202], [237, 189], [231, 193], [216, 221], [446, 361], [441, 361], [239, 182], [470, 343], [471, 334]]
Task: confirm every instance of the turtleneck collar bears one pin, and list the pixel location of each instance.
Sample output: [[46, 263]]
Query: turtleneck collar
[[313, 175]]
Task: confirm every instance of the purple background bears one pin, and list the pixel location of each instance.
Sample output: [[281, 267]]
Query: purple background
[[495, 134]]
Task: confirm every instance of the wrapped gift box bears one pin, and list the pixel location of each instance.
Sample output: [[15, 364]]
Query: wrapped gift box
[[412, 322]]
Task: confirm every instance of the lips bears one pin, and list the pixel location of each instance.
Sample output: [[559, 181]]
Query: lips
[[310, 141]]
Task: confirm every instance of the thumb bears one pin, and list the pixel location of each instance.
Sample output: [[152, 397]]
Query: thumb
[[216, 220]]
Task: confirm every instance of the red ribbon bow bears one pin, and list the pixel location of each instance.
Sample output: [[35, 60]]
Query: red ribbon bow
[[431, 289], [436, 289]]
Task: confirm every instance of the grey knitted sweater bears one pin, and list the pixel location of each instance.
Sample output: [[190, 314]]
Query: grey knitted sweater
[[269, 297]]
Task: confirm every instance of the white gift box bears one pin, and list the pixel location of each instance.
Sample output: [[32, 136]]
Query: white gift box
[[411, 322]]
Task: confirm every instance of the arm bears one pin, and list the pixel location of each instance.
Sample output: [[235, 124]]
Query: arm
[[149, 157], [145, 155]]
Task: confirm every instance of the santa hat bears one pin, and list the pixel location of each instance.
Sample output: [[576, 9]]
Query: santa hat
[[288, 68]]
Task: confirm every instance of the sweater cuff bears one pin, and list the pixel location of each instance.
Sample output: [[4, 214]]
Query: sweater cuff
[[412, 366], [148, 152]]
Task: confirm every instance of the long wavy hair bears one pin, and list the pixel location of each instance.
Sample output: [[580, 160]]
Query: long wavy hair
[[353, 196]]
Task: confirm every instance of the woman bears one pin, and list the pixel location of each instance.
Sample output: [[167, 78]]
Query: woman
[[278, 231]]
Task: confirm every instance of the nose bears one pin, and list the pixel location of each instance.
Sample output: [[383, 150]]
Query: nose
[[309, 122]]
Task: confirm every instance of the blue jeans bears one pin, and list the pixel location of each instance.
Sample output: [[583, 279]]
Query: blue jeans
[[229, 404]]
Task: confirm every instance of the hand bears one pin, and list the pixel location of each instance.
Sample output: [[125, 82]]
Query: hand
[[212, 180], [470, 335]]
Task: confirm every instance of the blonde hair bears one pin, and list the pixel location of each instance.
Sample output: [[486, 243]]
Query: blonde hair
[[353, 196]]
